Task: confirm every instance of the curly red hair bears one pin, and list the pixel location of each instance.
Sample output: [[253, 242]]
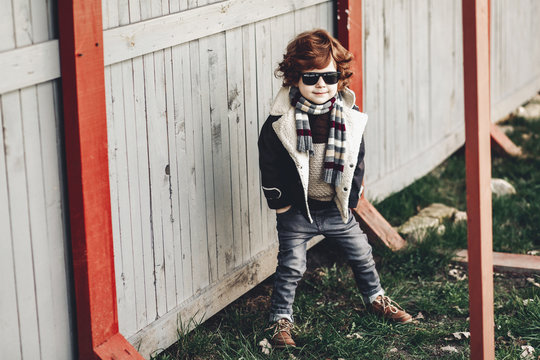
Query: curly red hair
[[314, 50]]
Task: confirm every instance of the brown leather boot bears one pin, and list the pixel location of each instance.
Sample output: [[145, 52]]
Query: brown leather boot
[[282, 334], [390, 309]]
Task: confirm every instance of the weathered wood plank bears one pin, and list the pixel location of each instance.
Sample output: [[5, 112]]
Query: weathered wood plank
[[419, 77], [143, 178], [61, 346], [217, 62], [126, 42], [264, 99], [7, 33], [237, 127], [22, 22], [162, 168], [38, 226], [160, 120], [9, 331], [132, 247], [124, 258], [183, 161], [173, 172], [194, 129], [29, 65], [20, 225], [203, 91], [374, 81], [252, 134], [157, 156]]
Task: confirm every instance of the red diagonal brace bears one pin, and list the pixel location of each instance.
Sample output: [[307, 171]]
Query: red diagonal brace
[[85, 126], [501, 142]]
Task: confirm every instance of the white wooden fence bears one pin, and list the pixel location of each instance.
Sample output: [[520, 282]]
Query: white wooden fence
[[189, 83], [35, 296]]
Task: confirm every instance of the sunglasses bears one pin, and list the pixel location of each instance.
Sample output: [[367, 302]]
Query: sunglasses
[[330, 78]]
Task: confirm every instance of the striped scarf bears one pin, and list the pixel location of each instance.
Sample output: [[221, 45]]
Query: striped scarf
[[334, 158]]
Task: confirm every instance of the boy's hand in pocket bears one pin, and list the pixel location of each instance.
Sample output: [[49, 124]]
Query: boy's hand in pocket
[[282, 210]]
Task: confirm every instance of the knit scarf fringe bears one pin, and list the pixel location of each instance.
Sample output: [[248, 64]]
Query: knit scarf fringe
[[334, 159]]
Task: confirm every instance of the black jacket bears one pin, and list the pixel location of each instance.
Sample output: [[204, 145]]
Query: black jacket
[[281, 181]]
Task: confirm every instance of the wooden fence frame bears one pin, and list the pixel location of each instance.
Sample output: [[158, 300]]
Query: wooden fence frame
[[85, 123], [85, 127]]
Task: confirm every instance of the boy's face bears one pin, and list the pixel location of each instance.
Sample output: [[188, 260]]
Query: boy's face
[[320, 92]]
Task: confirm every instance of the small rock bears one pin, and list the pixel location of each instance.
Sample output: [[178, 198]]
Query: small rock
[[441, 229], [393, 350], [527, 301], [449, 349], [533, 252], [460, 216], [416, 227], [520, 112], [527, 353], [532, 112], [500, 187], [438, 211]]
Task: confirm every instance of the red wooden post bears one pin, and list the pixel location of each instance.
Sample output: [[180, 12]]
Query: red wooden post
[[349, 13], [478, 165], [85, 125]]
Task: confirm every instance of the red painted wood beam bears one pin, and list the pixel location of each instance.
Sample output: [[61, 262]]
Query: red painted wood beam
[[501, 142], [85, 127], [349, 16], [507, 262], [476, 58], [376, 227]]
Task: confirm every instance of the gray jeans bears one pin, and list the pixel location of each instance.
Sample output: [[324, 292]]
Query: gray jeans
[[294, 231]]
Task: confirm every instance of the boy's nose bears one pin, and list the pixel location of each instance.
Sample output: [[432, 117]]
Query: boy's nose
[[320, 82]]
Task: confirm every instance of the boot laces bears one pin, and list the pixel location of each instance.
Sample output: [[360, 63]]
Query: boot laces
[[386, 302], [281, 325]]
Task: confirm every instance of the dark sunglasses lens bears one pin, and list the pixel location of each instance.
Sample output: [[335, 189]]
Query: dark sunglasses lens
[[313, 78], [310, 79], [331, 78]]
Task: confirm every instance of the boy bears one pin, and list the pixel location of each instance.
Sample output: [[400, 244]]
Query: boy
[[311, 157]]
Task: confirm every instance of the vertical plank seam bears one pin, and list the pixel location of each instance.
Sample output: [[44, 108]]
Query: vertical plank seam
[[11, 226], [31, 239], [144, 284], [150, 195], [129, 186], [246, 141]]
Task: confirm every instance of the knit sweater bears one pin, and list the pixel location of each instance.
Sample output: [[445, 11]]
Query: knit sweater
[[318, 189]]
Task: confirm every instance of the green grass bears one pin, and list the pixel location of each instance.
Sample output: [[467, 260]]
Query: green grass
[[328, 307]]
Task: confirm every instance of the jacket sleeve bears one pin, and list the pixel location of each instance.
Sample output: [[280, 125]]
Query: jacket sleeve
[[358, 177], [271, 151]]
